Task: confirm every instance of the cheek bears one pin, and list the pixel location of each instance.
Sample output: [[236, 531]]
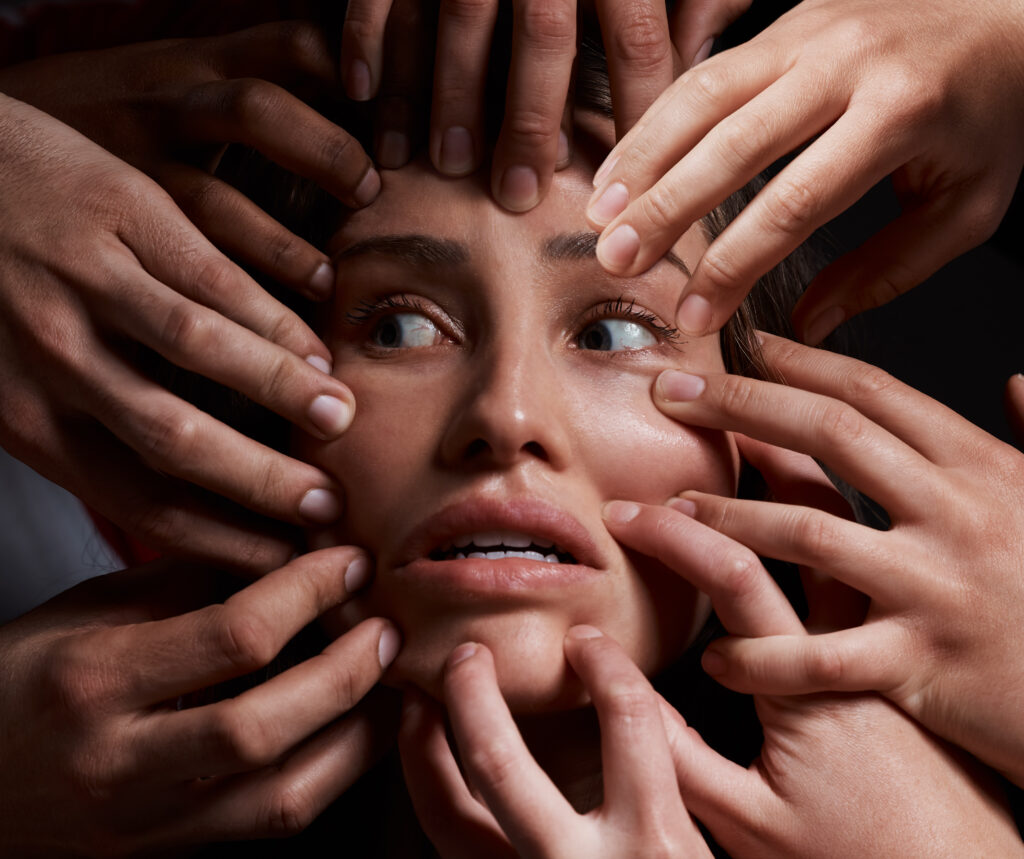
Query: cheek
[[635, 452]]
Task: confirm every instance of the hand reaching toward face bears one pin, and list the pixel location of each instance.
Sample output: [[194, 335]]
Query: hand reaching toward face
[[838, 774], [170, 107], [99, 761], [520, 811], [97, 263], [643, 42], [931, 94], [942, 637]]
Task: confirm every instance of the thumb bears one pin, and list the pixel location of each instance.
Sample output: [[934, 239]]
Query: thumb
[[696, 24]]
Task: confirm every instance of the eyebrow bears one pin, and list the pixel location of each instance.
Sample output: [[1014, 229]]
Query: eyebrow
[[418, 249]]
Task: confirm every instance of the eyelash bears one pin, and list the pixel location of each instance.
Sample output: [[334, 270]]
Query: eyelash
[[623, 308]]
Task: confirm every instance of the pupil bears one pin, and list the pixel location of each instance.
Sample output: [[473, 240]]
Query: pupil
[[597, 337], [387, 333]]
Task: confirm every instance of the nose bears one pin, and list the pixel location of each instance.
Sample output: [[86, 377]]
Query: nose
[[512, 412]]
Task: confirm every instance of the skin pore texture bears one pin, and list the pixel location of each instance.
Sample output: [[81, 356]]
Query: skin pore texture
[[504, 389]]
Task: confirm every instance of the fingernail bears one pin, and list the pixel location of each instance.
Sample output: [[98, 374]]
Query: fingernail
[[393, 149], [683, 505], [604, 170], [461, 653], [713, 663], [675, 386], [703, 52], [357, 82], [694, 315], [519, 189], [330, 415], [387, 646], [357, 574], [320, 506], [562, 156], [368, 189], [619, 249], [583, 631], [609, 205], [456, 155], [322, 281], [620, 512], [824, 324], [322, 364]]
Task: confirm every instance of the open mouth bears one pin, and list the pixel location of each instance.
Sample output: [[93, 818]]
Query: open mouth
[[499, 545]]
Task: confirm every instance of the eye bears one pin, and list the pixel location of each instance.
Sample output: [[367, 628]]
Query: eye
[[405, 331], [615, 335]]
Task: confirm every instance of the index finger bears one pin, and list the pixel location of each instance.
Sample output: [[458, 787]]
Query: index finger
[[543, 49]]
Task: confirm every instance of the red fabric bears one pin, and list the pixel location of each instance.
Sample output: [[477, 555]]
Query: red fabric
[[129, 550]]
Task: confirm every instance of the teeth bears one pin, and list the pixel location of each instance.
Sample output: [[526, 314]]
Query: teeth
[[498, 556], [511, 539]]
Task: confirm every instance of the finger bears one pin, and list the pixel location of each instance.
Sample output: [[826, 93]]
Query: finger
[[404, 90], [464, 34], [456, 823], [362, 47], [853, 660], [639, 782], [283, 800], [543, 48], [746, 598], [722, 794], [697, 23], [243, 230], [174, 253], [860, 452], [863, 558], [530, 809], [198, 339], [1014, 401], [906, 413], [162, 513], [258, 727], [283, 52], [639, 53], [677, 121], [255, 113], [179, 439], [179, 655], [897, 258]]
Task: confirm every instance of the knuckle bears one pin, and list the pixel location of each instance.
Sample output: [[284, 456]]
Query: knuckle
[[735, 395], [530, 129], [819, 537], [186, 329], [642, 39], [338, 153], [291, 810], [284, 252], [300, 40], [658, 208], [213, 276], [707, 86], [868, 383], [160, 524], [242, 735], [841, 423], [276, 380], [628, 703], [720, 271], [242, 638], [203, 194], [170, 437], [790, 208], [249, 102], [740, 571], [348, 688], [468, 12], [825, 668], [550, 25], [492, 763], [744, 139], [75, 682]]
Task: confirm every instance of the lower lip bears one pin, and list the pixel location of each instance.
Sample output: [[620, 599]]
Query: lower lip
[[479, 577]]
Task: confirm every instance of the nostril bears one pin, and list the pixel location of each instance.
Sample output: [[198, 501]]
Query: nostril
[[535, 448], [476, 448]]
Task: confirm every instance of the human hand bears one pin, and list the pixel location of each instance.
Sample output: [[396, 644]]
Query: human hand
[[641, 44], [838, 774], [169, 109], [103, 263], [875, 89], [947, 604], [520, 811], [98, 760]]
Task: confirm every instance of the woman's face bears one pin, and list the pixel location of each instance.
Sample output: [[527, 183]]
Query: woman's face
[[503, 383]]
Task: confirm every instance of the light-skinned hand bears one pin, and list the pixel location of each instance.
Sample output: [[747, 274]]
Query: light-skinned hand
[[99, 263], [943, 630], [100, 761], [930, 94], [518, 810], [644, 44]]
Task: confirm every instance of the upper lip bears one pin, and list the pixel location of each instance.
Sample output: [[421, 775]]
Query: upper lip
[[529, 516]]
